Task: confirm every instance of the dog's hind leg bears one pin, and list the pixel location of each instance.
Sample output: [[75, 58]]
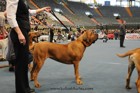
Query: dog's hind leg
[[77, 75], [138, 80], [131, 67], [39, 65], [136, 60]]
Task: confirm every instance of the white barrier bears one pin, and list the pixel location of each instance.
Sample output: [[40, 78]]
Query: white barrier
[[132, 36], [44, 38]]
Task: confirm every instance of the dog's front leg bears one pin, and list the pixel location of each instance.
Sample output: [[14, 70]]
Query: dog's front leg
[[138, 84], [36, 70], [77, 75]]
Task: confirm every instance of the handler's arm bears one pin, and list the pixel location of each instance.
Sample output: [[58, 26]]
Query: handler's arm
[[11, 10], [34, 12]]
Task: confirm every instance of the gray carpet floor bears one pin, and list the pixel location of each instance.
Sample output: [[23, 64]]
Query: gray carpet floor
[[101, 70]]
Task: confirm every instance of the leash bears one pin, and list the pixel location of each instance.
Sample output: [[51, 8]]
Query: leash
[[67, 30]]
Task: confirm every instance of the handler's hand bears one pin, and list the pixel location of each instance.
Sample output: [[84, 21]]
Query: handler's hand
[[22, 39], [48, 9]]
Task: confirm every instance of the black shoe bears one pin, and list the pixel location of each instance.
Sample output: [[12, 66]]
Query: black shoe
[[11, 69], [122, 46], [31, 91]]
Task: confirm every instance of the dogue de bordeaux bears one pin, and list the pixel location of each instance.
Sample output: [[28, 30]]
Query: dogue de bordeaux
[[134, 61], [70, 53]]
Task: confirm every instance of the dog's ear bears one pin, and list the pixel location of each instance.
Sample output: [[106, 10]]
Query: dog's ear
[[93, 31]]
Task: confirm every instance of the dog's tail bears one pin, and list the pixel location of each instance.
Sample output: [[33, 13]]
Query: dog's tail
[[125, 54], [130, 52]]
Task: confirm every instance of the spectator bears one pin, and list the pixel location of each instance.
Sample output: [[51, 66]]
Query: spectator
[[122, 32], [116, 34], [51, 33], [2, 27], [36, 27], [10, 56], [59, 36]]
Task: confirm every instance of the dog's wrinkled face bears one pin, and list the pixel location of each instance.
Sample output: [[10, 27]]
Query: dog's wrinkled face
[[34, 35], [89, 37]]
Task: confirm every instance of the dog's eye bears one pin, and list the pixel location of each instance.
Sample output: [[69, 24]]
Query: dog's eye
[[91, 33], [94, 32]]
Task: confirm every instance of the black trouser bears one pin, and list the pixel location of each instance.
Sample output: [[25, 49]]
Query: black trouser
[[21, 62], [12, 62], [51, 38], [116, 37], [122, 37]]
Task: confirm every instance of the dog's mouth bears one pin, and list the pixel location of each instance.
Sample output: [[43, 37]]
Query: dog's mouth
[[96, 35], [35, 39]]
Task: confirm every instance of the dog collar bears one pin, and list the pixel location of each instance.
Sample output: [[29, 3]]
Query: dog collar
[[84, 44]]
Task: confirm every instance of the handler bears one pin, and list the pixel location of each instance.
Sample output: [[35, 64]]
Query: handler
[[18, 18]]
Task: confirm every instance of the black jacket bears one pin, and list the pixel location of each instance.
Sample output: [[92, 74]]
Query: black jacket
[[122, 30]]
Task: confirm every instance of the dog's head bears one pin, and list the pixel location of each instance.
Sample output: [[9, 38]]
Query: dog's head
[[33, 36], [88, 37]]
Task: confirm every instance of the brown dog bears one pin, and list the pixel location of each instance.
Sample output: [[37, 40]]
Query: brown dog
[[134, 61], [70, 53]]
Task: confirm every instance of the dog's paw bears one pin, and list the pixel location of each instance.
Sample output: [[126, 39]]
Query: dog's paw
[[37, 85], [80, 77], [79, 82], [127, 87]]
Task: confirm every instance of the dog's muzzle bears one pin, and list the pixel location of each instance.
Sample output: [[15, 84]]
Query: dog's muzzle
[[96, 35]]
